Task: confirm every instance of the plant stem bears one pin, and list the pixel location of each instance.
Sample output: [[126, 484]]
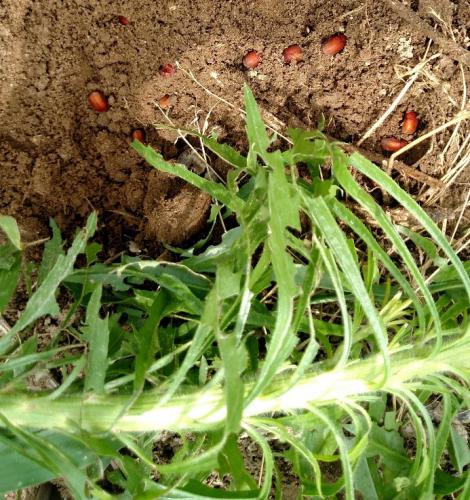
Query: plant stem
[[206, 409]]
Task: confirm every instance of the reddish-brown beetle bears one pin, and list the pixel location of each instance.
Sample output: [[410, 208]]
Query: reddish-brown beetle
[[410, 123], [334, 44], [139, 135], [251, 59], [98, 101], [392, 144], [167, 70], [293, 53]]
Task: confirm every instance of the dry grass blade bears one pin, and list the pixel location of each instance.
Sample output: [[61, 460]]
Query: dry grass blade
[[4, 327], [200, 158], [450, 177], [375, 157], [465, 115], [399, 166], [416, 71], [459, 220], [448, 46], [272, 122]]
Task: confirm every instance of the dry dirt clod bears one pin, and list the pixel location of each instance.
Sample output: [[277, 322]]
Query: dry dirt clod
[[174, 209]]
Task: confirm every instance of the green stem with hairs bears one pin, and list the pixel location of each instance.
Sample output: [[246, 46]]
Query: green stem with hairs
[[206, 409]]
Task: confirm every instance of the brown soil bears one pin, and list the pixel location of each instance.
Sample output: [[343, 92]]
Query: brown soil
[[61, 159]]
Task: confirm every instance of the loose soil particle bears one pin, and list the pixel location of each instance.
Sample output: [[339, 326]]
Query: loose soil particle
[[61, 159]]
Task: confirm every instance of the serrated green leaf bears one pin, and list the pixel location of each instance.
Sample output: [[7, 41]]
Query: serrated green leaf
[[283, 338], [255, 128], [216, 190], [363, 481], [19, 471], [459, 450], [388, 445], [373, 172], [97, 332], [425, 244], [353, 189], [9, 226], [327, 225], [9, 279], [43, 302], [34, 447], [224, 151], [231, 460], [52, 250]]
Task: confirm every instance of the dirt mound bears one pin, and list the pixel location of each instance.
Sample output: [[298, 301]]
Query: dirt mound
[[61, 159]]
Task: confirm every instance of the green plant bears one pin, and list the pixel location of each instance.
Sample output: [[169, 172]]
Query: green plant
[[314, 338]]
